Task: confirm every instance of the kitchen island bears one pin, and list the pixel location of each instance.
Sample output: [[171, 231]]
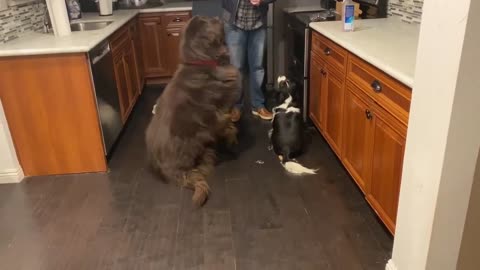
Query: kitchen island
[[359, 99], [51, 100]]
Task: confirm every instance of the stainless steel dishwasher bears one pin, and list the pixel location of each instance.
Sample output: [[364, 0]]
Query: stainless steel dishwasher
[[108, 105]]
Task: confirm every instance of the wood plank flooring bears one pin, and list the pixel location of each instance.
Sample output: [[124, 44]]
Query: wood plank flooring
[[258, 217]]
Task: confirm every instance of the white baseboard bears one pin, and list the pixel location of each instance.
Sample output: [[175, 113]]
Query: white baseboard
[[390, 265], [11, 176]]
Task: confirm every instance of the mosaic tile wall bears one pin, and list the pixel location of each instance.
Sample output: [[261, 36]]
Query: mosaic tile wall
[[410, 11], [19, 20]]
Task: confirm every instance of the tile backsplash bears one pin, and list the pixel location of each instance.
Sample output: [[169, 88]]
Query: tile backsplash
[[410, 11], [19, 20]]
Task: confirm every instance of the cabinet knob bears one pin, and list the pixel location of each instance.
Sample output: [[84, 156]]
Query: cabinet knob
[[327, 51], [368, 114], [376, 86], [177, 19], [323, 72]]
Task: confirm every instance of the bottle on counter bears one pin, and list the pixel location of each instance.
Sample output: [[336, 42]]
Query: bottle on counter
[[348, 15]]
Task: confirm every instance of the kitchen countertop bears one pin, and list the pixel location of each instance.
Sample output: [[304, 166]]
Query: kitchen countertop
[[81, 41], [303, 8], [389, 44]]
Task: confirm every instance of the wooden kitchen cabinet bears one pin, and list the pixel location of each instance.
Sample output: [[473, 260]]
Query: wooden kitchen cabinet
[[363, 115], [126, 71], [160, 42], [389, 138], [172, 44], [135, 40], [357, 138], [332, 107], [326, 101], [49, 103], [122, 85], [315, 92], [154, 55]]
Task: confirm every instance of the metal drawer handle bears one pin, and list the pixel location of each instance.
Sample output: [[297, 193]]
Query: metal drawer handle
[[177, 19], [376, 86], [368, 114], [327, 51], [173, 34]]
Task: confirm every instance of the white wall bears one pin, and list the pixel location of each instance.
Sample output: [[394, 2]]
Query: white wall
[[10, 170], [443, 139]]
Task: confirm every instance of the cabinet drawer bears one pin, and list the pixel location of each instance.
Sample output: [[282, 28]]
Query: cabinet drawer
[[173, 19], [119, 39], [329, 51], [386, 91]]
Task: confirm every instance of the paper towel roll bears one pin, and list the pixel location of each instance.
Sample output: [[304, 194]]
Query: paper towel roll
[[59, 17], [105, 7]]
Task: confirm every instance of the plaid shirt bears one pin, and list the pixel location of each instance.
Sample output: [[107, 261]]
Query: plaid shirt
[[248, 16]]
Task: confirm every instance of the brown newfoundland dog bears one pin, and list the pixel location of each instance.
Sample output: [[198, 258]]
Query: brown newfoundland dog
[[191, 115]]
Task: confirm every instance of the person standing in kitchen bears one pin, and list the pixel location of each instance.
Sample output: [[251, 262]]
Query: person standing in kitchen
[[245, 31]]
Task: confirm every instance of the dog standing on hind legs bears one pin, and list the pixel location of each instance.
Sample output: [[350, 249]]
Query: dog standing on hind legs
[[191, 116], [287, 133]]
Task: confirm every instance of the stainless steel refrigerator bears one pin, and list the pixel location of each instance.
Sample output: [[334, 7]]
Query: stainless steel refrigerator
[[276, 37]]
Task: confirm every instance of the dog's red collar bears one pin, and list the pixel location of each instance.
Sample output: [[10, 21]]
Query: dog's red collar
[[204, 63]]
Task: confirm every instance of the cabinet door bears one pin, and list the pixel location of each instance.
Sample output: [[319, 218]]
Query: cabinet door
[[122, 85], [387, 161], [315, 88], [333, 108], [172, 44], [131, 73], [135, 40], [357, 135], [153, 53]]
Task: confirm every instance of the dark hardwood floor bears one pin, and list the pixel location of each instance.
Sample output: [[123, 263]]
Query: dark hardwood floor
[[258, 217]]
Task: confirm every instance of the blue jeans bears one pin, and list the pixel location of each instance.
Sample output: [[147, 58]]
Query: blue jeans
[[248, 44]]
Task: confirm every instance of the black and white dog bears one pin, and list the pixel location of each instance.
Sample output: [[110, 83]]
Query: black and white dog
[[287, 133]]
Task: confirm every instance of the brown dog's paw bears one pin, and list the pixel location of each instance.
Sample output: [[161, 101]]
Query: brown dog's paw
[[200, 194]]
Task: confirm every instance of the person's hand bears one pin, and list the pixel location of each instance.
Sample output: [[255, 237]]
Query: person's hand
[[255, 2]]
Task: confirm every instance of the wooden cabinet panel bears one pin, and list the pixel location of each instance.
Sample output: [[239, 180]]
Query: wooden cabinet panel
[[131, 73], [357, 138], [387, 160], [135, 38], [315, 88], [176, 19], [172, 44], [314, 91], [122, 85], [333, 110], [119, 40], [153, 51], [330, 52], [389, 93], [50, 107]]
